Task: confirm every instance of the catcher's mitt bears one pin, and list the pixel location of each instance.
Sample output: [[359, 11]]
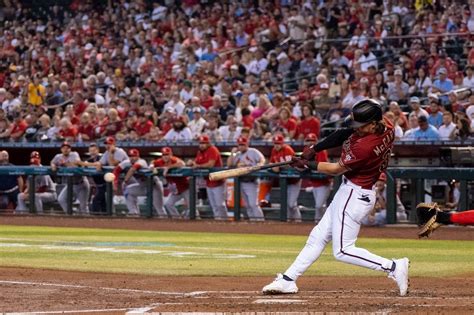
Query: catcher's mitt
[[427, 213]]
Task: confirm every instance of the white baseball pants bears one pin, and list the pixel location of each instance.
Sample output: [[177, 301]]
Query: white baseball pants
[[341, 224], [320, 195], [171, 201], [216, 197], [81, 192], [132, 191], [249, 191], [39, 199], [293, 193]]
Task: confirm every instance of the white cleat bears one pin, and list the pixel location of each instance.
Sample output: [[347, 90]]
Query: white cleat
[[400, 275], [280, 286]]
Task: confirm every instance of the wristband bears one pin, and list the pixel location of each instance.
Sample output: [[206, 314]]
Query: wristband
[[313, 165]]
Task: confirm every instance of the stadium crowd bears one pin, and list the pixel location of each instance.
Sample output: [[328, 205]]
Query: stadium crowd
[[176, 70]]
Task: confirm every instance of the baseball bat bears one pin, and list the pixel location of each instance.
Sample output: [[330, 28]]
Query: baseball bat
[[236, 172]]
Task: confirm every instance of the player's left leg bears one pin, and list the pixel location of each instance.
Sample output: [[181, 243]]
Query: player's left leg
[[82, 192], [346, 222], [292, 198], [158, 197], [218, 196]]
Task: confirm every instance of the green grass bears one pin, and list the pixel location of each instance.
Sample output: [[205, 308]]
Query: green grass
[[180, 253]]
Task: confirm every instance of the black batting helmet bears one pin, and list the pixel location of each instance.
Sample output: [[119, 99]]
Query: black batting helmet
[[364, 112]]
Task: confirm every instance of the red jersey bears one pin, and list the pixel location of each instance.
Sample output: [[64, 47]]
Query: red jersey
[[289, 125], [285, 154], [321, 157], [308, 126], [68, 133], [143, 129], [20, 126], [366, 157], [211, 153], [181, 183], [88, 130]]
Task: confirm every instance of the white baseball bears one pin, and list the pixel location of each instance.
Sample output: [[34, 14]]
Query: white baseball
[[109, 177]]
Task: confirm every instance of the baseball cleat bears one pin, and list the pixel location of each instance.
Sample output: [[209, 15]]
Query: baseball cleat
[[280, 286], [400, 275]]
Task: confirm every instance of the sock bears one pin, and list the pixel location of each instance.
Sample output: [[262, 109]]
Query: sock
[[463, 218], [285, 277]]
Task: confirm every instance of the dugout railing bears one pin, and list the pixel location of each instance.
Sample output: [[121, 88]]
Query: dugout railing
[[416, 174]]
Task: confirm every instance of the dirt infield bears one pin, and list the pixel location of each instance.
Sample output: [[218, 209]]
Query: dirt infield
[[39, 290]]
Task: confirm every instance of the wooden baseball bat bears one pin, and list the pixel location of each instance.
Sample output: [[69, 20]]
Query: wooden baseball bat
[[236, 172]]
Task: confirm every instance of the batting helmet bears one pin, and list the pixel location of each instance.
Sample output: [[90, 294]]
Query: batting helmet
[[133, 153], [364, 112]]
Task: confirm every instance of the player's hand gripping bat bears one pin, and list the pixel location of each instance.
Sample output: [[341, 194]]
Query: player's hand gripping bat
[[236, 172]]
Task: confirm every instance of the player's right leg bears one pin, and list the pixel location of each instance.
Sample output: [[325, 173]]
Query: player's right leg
[[170, 205], [21, 203], [131, 193]]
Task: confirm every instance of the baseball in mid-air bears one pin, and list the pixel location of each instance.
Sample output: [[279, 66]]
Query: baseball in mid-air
[[109, 177]]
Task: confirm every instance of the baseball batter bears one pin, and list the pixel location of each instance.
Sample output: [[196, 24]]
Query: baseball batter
[[282, 152], [178, 186], [244, 156], [209, 156], [366, 149], [45, 188], [321, 187], [81, 186], [135, 184]]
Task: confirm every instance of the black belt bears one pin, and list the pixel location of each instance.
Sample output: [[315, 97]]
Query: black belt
[[346, 181]]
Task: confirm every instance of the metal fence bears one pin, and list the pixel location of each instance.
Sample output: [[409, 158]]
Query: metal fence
[[417, 175]]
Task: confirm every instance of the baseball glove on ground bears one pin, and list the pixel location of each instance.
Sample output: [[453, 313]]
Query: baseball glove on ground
[[427, 213]]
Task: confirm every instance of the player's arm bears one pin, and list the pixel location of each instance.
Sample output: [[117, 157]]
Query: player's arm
[[335, 139], [208, 164], [135, 167], [328, 168], [179, 163]]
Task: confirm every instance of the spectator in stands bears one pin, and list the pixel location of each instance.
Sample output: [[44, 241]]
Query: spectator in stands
[[10, 185], [17, 128], [468, 80], [398, 130], [231, 130], [68, 131], [286, 125], [179, 131], [36, 91], [45, 188], [435, 117], [423, 81], [416, 108], [447, 129], [351, 98], [443, 84], [425, 132], [413, 126], [397, 90], [308, 124], [211, 128], [463, 129], [197, 124]]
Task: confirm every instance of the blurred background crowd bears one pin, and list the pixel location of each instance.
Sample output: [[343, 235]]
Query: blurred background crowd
[[174, 70]]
